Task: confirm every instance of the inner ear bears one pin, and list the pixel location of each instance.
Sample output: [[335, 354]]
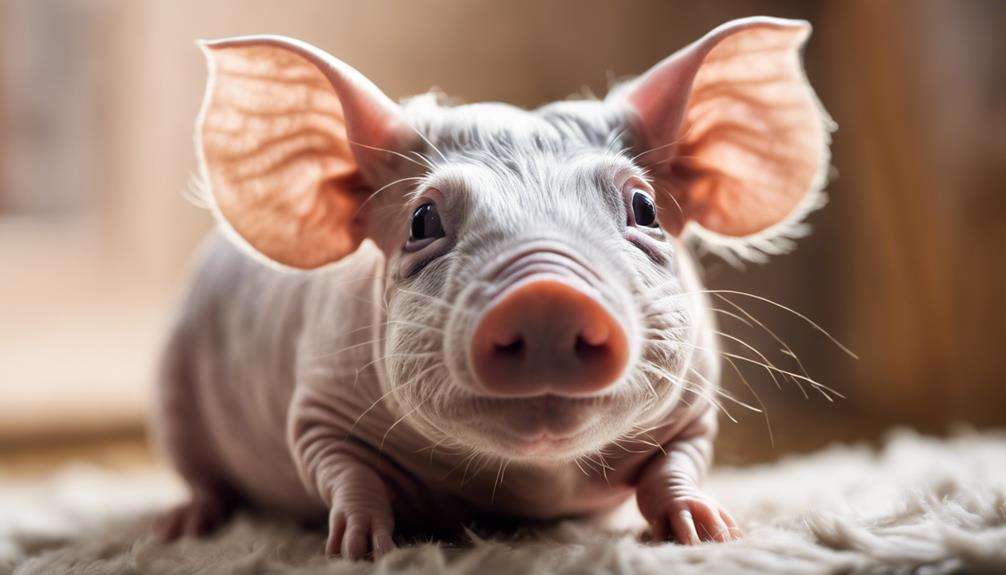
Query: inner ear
[[287, 140], [731, 130]]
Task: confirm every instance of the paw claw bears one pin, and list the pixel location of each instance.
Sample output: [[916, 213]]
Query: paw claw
[[358, 535], [383, 543], [693, 519]]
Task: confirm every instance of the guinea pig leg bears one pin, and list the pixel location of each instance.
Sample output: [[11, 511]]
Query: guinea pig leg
[[360, 517], [334, 467], [668, 491], [180, 433]]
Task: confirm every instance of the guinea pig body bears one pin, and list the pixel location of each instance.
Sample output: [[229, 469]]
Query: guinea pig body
[[252, 369], [493, 311]]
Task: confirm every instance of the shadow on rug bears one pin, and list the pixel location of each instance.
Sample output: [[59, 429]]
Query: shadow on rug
[[919, 505]]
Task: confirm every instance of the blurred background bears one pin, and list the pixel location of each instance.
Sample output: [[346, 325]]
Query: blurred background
[[905, 266]]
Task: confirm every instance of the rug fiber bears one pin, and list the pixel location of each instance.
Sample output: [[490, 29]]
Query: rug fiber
[[918, 505]]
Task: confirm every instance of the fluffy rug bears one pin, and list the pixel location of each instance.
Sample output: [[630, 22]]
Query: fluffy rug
[[918, 505]]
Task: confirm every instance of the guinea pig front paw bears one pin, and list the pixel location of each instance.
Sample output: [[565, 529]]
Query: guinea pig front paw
[[692, 518], [360, 517], [355, 532]]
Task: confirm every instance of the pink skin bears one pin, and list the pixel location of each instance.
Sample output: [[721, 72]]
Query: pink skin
[[541, 349], [546, 336]]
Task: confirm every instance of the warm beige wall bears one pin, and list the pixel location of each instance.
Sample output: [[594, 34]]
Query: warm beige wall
[[904, 266]]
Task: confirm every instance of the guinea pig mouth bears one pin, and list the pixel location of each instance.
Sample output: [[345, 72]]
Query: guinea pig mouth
[[536, 425]]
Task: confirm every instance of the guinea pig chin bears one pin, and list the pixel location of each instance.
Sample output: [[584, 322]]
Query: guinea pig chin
[[537, 428]]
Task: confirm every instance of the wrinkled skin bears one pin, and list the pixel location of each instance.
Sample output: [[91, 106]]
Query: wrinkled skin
[[347, 394], [262, 405]]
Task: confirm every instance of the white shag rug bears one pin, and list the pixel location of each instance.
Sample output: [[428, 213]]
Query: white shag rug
[[919, 505]]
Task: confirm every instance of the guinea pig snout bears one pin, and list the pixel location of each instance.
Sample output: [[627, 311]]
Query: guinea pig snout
[[546, 334]]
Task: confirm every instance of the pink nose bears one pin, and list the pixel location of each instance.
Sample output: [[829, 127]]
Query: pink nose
[[546, 336]]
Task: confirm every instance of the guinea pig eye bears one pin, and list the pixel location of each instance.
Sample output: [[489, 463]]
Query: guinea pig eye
[[644, 212], [426, 223]]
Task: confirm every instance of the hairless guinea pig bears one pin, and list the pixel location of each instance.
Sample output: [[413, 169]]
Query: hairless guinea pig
[[522, 335]]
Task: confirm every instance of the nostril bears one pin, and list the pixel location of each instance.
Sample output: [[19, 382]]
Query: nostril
[[511, 349], [595, 333], [588, 349]]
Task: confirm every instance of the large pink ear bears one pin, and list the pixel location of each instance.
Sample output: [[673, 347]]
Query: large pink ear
[[732, 131], [282, 139]]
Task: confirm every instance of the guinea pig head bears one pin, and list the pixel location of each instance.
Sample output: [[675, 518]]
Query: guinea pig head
[[540, 299]]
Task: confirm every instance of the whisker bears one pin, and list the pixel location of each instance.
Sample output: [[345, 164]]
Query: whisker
[[726, 395], [424, 159], [785, 347], [418, 325], [433, 447], [428, 142], [415, 355], [347, 348], [386, 186], [434, 299], [754, 350], [817, 385], [731, 315], [618, 444], [474, 457], [499, 478], [393, 152], [397, 421], [803, 317], [702, 392], [764, 410], [710, 399], [654, 149], [652, 442], [373, 404]]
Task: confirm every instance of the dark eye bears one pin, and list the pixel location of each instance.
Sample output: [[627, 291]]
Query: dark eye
[[644, 212], [426, 223]]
